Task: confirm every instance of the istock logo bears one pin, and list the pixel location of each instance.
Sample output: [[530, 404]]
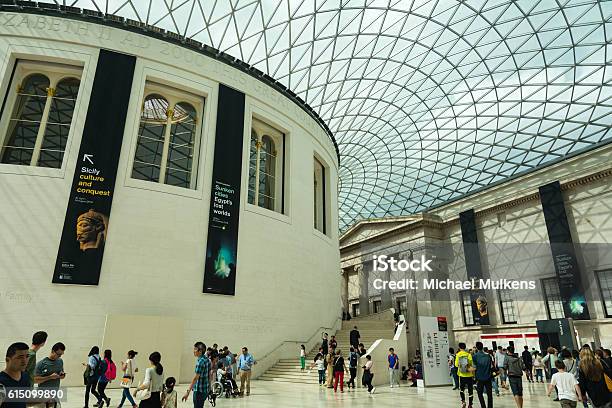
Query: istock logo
[[382, 263]]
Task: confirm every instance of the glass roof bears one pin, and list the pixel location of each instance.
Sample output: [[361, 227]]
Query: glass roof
[[429, 100]]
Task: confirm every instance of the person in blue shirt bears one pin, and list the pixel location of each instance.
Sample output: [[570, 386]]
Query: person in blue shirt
[[483, 363], [245, 364], [393, 367]]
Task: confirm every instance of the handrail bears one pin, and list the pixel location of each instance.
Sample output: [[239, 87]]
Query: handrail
[[301, 341]]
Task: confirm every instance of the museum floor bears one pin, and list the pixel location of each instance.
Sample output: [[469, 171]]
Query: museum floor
[[271, 394]]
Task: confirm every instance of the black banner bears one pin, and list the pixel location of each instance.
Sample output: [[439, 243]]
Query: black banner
[[473, 265], [222, 244], [81, 248], [563, 252]]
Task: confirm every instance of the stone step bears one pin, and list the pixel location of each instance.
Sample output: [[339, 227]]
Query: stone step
[[288, 380]]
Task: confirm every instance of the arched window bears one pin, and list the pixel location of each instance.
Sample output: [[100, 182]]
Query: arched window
[[166, 150], [320, 202], [266, 167], [43, 106]]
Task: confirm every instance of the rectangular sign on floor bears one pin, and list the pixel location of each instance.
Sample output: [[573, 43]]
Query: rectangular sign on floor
[[434, 350], [566, 265], [79, 257], [222, 243]]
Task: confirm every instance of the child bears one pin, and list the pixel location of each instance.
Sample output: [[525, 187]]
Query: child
[[220, 373], [169, 395], [539, 367], [303, 357], [567, 386], [319, 361]]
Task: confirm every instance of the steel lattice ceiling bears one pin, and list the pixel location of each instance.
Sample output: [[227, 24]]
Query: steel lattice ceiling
[[428, 99]]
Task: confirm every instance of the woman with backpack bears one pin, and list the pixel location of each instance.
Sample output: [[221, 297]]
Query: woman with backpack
[[92, 374], [110, 373], [129, 370], [339, 370]]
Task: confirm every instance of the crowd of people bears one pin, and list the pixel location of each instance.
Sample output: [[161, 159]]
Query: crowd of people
[[155, 391], [572, 375]]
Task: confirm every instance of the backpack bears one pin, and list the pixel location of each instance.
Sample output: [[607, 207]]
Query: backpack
[[111, 371], [100, 369], [353, 359], [464, 364]]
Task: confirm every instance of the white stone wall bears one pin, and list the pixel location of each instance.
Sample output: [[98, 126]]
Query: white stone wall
[[287, 282]]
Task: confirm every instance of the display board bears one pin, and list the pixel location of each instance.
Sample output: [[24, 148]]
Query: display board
[[434, 346], [557, 333], [566, 265], [222, 243], [81, 248], [473, 265]]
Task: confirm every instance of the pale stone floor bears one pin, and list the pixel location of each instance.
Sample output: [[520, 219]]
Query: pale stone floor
[[271, 394]]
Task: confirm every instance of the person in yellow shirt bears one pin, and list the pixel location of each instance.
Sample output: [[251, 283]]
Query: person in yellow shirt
[[465, 371]]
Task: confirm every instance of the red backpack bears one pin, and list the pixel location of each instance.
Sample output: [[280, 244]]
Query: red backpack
[[111, 370]]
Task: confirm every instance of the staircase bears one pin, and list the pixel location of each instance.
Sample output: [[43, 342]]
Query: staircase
[[288, 370]]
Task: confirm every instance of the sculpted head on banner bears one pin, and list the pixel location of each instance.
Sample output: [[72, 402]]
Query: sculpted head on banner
[[481, 304], [90, 230]]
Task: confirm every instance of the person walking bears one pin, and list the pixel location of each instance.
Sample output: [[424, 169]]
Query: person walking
[[14, 375], [110, 373], [368, 374], [200, 382], [549, 362], [38, 341], [393, 360], [354, 337], [591, 378], [353, 358], [500, 359], [302, 357], [483, 364], [538, 366], [465, 371], [568, 390], [339, 370], [329, 361], [333, 343], [129, 371], [324, 344], [452, 368], [571, 365], [169, 395], [528, 362], [319, 362], [514, 367], [50, 371], [245, 364], [93, 369], [153, 381]]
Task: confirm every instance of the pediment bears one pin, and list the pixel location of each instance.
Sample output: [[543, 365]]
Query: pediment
[[365, 229]]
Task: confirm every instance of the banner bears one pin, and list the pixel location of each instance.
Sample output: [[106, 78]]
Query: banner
[[473, 265], [85, 231], [222, 243], [563, 252], [434, 346]]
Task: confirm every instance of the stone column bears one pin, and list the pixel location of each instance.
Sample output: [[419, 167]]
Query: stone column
[[344, 288], [364, 296], [412, 314], [385, 295]]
